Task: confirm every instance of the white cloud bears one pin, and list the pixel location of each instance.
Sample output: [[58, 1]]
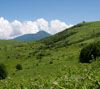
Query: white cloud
[[57, 26], [5, 29], [19, 28], [43, 24], [29, 27], [16, 28]]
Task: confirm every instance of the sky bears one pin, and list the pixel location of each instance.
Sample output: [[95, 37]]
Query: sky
[[18, 17]]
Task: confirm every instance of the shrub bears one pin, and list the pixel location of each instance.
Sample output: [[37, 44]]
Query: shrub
[[51, 62], [3, 72], [90, 52], [39, 55], [36, 64], [19, 67]]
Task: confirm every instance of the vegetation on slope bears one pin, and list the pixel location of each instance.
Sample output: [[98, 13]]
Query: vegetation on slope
[[78, 33], [52, 62]]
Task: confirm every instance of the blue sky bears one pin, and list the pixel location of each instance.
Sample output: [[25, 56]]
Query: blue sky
[[19, 17], [69, 11]]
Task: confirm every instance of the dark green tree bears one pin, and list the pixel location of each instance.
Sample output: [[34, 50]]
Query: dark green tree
[[90, 52], [83, 21], [3, 71]]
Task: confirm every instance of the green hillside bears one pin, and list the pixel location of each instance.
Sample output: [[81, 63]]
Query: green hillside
[[53, 62], [78, 33]]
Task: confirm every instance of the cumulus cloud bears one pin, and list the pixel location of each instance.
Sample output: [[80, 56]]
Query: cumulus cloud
[[5, 29], [43, 24], [57, 26], [9, 30], [16, 26], [19, 28], [29, 27]]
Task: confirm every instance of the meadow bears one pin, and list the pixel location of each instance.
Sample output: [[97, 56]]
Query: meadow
[[52, 62]]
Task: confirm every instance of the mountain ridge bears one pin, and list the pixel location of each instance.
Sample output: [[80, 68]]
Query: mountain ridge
[[29, 37]]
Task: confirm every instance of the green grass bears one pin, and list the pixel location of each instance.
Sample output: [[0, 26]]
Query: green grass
[[53, 62]]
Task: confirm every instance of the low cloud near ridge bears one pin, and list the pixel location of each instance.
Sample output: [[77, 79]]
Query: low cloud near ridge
[[9, 30]]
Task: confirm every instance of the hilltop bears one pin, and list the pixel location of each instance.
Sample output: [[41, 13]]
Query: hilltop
[[77, 34]]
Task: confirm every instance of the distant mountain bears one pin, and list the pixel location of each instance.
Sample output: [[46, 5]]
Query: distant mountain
[[29, 37]]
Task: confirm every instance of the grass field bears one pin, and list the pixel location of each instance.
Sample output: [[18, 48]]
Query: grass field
[[53, 62]]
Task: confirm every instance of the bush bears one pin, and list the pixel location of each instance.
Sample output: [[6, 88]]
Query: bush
[[90, 52], [51, 62], [39, 55], [3, 72], [19, 67]]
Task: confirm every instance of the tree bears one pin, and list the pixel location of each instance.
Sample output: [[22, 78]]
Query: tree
[[83, 21], [90, 52], [3, 72], [19, 67]]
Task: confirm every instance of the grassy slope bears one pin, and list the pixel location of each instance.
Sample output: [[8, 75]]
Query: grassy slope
[[62, 49], [76, 34]]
